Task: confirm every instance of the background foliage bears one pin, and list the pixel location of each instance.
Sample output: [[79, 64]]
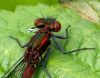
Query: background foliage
[[12, 4]]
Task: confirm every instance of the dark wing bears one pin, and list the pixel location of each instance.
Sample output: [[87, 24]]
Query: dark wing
[[16, 70]]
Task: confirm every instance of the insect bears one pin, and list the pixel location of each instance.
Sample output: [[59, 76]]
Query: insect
[[38, 49]]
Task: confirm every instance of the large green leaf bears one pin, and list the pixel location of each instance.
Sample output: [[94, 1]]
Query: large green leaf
[[84, 64]]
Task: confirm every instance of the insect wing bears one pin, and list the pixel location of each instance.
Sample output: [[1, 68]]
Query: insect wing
[[16, 70]]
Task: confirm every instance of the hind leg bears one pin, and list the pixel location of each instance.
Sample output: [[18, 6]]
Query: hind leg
[[44, 62]]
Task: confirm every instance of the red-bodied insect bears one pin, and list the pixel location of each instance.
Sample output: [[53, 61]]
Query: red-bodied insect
[[38, 49]]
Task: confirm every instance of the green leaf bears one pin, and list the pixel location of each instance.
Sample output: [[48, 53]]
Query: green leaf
[[84, 64]]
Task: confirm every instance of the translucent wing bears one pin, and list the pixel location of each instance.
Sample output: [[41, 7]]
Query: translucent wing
[[16, 70]]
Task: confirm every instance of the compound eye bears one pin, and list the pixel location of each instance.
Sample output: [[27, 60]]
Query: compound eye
[[57, 26], [39, 23]]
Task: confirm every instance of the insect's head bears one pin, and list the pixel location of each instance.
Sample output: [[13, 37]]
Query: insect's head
[[51, 23]]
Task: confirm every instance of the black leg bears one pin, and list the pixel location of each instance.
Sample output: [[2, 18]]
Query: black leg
[[64, 52], [77, 50], [22, 46], [62, 37], [44, 62]]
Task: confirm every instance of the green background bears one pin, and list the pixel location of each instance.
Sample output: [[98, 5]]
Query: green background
[[12, 4]]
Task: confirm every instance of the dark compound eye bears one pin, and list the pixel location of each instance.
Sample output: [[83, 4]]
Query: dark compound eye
[[39, 22], [56, 26]]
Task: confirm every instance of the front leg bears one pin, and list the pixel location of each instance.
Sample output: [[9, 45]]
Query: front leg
[[62, 37], [22, 46]]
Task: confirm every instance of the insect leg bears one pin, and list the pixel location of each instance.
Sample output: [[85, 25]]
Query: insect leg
[[22, 46], [44, 62], [64, 52], [62, 37]]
